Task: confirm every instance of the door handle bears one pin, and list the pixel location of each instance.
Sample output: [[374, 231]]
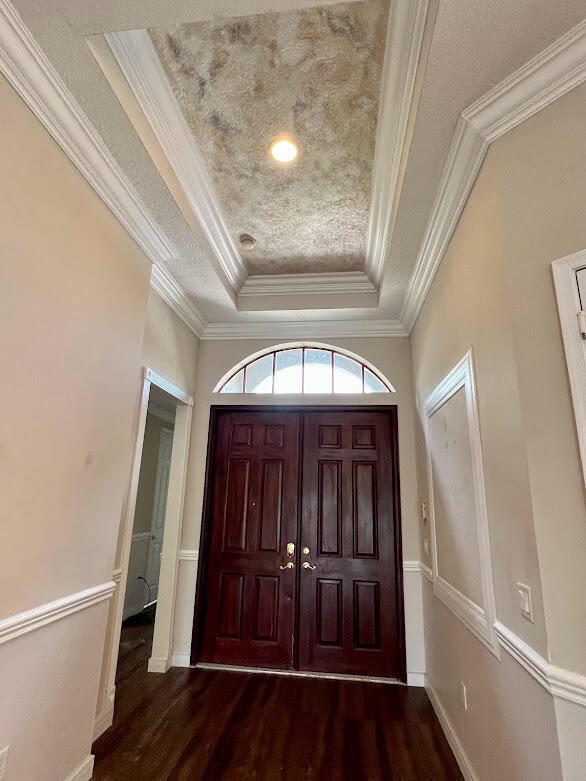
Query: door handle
[[288, 565], [307, 565]]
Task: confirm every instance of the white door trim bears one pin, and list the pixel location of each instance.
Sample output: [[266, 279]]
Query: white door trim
[[566, 288], [160, 659]]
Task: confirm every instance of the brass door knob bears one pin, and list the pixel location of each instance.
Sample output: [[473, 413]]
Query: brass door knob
[[288, 565], [307, 565]]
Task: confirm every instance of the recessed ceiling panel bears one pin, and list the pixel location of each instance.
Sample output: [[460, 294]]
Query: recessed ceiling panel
[[312, 74]]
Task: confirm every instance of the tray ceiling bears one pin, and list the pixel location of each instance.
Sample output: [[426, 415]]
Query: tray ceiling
[[313, 74]]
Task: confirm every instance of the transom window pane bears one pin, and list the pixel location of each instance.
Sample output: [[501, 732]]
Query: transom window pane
[[288, 374], [297, 370], [259, 375], [347, 375], [317, 371]]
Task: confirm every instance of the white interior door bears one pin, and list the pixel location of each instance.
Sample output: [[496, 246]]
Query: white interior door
[[159, 507]]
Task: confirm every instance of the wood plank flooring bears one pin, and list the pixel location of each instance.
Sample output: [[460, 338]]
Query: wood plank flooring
[[208, 725]]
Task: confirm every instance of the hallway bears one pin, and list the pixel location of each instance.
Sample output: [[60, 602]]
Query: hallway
[[198, 724]]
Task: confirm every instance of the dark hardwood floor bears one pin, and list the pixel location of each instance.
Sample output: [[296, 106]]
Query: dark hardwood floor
[[198, 724]]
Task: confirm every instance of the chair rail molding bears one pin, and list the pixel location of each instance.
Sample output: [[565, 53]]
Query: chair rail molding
[[37, 617], [400, 92], [479, 619], [559, 682], [541, 81]]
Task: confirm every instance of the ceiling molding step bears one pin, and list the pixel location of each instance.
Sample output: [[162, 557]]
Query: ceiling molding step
[[173, 295], [303, 330], [399, 97], [32, 75], [307, 284], [541, 81], [140, 64]]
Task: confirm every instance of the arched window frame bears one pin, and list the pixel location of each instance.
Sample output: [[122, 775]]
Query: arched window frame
[[274, 349]]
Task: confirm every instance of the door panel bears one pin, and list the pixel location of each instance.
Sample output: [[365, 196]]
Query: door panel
[[158, 514], [250, 613], [349, 604]]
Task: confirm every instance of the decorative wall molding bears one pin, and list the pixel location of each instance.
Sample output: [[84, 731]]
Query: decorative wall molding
[[426, 571], [31, 620], [116, 575], [544, 79], [103, 722], [28, 69], [188, 555], [479, 619], [138, 60], [451, 735], [569, 305], [322, 283], [399, 99], [302, 329], [83, 772], [561, 683], [416, 679], [412, 566], [181, 660], [173, 295]]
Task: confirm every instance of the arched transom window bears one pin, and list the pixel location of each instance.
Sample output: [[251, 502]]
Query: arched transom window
[[304, 369]]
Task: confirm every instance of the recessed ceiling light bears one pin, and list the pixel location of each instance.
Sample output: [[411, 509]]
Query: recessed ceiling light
[[284, 150], [247, 241]]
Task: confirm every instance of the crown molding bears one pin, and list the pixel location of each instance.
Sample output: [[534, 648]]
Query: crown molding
[[399, 97], [140, 64], [310, 329], [28, 69], [307, 284], [544, 79], [172, 294], [561, 683], [40, 616]]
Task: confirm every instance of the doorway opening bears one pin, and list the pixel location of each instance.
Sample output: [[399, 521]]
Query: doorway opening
[[146, 545], [143, 604], [301, 565]]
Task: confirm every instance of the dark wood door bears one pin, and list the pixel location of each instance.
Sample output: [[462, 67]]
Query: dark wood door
[[349, 601], [250, 611]]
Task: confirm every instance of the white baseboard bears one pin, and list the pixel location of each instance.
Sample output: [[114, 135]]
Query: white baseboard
[[415, 679], [451, 736], [158, 665], [103, 721], [181, 660], [84, 771]]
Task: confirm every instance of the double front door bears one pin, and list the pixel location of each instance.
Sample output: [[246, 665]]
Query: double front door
[[300, 567]]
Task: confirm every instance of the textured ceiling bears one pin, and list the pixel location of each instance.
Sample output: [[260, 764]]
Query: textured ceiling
[[314, 74]]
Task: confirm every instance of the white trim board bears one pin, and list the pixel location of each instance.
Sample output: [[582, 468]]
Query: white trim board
[[138, 60], [541, 81], [173, 295], [569, 304], [302, 329], [451, 735], [561, 683], [399, 99], [84, 771], [479, 619], [37, 617], [161, 382], [298, 673], [319, 283], [188, 555]]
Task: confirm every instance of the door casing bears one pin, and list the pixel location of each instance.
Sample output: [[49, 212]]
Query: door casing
[[205, 541]]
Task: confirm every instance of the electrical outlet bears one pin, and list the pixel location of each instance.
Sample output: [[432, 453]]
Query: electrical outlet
[[463, 695], [525, 601], [3, 761]]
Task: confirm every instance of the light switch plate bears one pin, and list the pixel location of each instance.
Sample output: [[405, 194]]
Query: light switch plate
[[525, 601]]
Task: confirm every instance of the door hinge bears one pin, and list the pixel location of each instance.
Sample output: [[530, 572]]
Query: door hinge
[[582, 324]]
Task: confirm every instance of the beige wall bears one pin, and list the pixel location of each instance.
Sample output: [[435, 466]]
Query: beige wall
[[494, 293], [169, 348], [392, 358], [73, 296]]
